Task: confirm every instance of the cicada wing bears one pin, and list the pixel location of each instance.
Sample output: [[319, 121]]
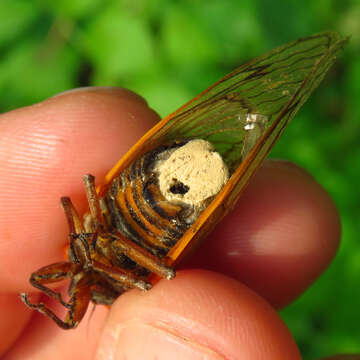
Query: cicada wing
[[242, 115], [307, 61], [272, 85]]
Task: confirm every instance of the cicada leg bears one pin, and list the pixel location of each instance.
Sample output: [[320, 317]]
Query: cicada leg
[[51, 274], [94, 205], [141, 256], [79, 297], [120, 277], [79, 251], [119, 243]]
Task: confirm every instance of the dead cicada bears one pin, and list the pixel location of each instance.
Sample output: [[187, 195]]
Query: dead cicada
[[181, 178]]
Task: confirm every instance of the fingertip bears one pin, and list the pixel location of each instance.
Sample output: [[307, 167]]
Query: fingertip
[[281, 236], [198, 315], [296, 209], [114, 91]]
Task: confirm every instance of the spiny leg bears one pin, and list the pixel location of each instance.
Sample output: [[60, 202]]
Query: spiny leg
[[120, 276], [77, 306], [79, 240], [72, 217], [141, 256], [51, 274], [93, 200], [80, 258], [42, 309]]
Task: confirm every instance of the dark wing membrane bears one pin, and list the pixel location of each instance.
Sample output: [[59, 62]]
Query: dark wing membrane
[[274, 85]]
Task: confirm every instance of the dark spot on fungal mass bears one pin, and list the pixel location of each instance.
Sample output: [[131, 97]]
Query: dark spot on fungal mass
[[178, 187]]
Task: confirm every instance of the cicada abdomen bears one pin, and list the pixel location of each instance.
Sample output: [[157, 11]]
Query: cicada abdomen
[[155, 200]]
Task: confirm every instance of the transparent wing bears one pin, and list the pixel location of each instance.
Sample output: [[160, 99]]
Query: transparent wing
[[273, 85], [262, 97]]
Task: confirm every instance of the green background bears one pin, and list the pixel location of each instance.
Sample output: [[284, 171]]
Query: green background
[[168, 51]]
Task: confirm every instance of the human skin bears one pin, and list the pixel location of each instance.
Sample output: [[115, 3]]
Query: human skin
[[280, 237]]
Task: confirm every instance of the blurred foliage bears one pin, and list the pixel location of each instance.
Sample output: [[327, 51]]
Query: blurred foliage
[[168, 51]]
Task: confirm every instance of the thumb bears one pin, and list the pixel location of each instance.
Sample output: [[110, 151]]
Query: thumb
[[199, 315]]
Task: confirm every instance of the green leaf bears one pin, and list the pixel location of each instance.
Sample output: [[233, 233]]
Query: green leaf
[[74, 9], [32, 71], [15, 17], [118, 44], [184, 40]]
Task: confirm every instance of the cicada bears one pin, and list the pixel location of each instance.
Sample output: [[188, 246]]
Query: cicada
[[157, 202]]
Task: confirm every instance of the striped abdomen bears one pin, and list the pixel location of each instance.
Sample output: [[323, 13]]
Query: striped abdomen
[[140, 212]]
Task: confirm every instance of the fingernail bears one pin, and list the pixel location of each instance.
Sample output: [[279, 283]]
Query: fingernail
[[104, 89], [135, 340], [88, 89]]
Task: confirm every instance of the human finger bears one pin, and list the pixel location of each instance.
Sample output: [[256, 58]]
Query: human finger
[[45, 149], [199, 315], [281, 235]]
